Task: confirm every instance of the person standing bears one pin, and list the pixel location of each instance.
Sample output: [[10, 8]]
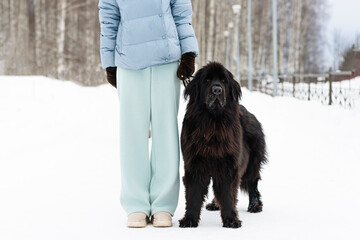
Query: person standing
[[147, 47]]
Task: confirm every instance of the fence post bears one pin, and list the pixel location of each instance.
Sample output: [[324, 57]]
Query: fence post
[[308, 79], [293, 80], [330, 87]]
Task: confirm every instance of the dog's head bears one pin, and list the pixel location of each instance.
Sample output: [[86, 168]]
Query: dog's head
[[214, 87]]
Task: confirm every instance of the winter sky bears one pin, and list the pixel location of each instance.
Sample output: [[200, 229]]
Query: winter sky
[[344, 16]]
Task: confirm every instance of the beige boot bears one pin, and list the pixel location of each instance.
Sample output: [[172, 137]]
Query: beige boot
[[137, 220], [161, 219]]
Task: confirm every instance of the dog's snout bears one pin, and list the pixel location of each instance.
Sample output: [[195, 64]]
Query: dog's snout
[[217, 90]]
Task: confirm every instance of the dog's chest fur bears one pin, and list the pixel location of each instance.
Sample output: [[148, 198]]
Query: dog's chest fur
[[215, 138]]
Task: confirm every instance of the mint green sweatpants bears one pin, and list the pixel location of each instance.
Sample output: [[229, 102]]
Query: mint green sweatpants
[[149, 96]]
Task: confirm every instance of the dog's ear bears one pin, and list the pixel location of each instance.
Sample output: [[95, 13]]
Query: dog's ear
[[234, 87], [193, 89]]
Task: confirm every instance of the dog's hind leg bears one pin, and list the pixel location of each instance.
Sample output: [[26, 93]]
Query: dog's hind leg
[[196, 188], [255, 203], [213, 206], [249, 184]]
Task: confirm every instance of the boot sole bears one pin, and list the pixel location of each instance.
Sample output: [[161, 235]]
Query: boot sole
[[162, 223], [138, 224]]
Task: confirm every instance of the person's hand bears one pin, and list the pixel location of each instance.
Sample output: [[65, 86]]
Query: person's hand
[[187, 66], [111, 75]]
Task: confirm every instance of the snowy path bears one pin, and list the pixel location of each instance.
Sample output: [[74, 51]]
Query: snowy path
[[59, 168]]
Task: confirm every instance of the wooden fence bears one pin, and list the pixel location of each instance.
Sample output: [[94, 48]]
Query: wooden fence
[[329, 88]]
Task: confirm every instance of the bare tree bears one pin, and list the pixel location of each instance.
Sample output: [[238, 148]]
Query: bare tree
[[337, 47]]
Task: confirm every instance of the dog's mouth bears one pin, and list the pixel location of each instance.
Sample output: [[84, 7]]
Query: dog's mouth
[[215, 101]]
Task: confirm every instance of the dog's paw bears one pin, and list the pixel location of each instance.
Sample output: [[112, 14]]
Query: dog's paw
[[187, 222], [212, 207], [255, 206], [232, 223]]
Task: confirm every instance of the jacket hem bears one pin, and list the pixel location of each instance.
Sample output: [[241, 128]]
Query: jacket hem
[[119, 64]]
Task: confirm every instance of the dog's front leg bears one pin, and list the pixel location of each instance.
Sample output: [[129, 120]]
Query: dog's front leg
[[196, 187], [226, 195]]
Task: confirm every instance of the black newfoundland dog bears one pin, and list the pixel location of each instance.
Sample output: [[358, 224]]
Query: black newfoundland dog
[[222, 141]]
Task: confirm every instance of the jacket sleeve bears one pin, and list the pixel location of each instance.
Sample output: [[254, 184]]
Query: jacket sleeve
[[182, 12], [109, 17]]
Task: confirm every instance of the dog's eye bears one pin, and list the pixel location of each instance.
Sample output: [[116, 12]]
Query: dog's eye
[[223, 80], [207, 80]]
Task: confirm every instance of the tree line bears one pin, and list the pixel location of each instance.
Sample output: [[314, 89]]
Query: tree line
[[301, 33], [60, 38]]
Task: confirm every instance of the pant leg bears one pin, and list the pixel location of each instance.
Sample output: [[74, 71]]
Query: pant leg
[[134, 96], [165, 150]]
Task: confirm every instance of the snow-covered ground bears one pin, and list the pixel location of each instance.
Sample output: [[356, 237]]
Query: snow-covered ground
[[60, 172]]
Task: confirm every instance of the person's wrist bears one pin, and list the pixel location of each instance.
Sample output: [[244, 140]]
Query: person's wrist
[[189, 54], [188, 57], [111, 75], [111, 69], [188, 60]]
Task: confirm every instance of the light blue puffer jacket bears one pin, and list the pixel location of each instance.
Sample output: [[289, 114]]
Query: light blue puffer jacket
[[136, 34]]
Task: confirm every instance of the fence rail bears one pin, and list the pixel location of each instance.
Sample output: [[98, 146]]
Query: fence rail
[[326, 88]]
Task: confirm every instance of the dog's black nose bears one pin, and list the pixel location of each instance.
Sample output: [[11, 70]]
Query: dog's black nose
[[216, 90]]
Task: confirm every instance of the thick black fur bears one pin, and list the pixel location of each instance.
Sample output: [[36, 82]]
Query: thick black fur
[[222, 141]]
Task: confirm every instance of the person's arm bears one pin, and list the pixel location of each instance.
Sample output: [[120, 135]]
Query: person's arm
[[109, 17], [182, 12]]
